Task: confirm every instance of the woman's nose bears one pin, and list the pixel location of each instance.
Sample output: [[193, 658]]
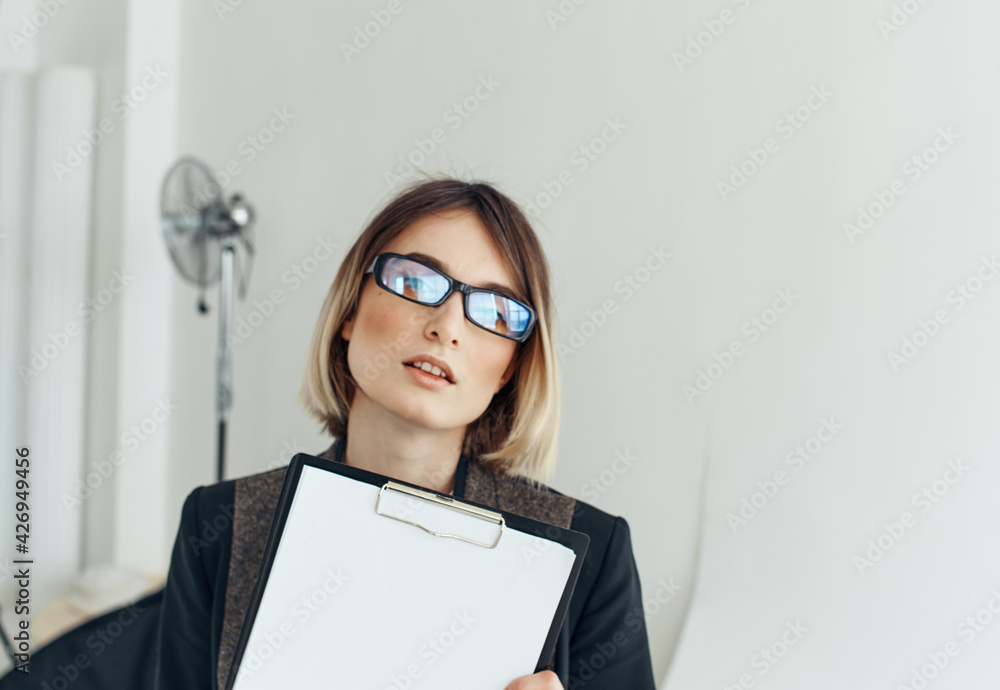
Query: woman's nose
[[447, 320]]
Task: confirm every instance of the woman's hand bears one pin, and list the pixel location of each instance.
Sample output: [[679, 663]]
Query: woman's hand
[[546, 680]]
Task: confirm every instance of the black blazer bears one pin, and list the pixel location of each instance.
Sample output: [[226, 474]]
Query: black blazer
[[602, 646]]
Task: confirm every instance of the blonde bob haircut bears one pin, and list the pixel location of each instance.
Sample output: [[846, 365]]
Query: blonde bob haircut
[[517, 434]]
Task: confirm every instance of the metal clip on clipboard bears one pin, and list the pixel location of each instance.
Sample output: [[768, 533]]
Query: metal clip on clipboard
[[446, 502]]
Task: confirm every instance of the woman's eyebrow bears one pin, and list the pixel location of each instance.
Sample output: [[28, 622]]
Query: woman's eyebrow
[[439, 265]]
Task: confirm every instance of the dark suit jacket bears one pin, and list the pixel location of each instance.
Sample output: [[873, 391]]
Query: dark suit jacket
[[219, 547]]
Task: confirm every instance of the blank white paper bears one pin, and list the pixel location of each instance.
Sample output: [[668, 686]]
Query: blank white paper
[[359, 600]]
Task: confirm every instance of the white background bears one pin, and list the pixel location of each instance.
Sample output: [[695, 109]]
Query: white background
[[826, 357]]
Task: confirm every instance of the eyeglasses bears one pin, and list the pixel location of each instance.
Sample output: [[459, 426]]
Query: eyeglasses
[[419, 282]]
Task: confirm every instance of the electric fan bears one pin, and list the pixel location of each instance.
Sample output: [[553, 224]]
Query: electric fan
[[203, 231]]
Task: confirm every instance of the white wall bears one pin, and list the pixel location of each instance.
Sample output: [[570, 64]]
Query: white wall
[[800, 558], [558, 84]]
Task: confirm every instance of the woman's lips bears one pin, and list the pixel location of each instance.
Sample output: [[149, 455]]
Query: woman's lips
[[424, 359], [427, 380]]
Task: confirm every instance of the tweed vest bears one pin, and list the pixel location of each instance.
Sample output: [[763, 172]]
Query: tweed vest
[[256, 499]]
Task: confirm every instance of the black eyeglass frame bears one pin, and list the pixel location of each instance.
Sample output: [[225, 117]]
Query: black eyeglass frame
[[453, 286]]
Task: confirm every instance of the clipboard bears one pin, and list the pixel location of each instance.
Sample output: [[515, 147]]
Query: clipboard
[[371, 582]]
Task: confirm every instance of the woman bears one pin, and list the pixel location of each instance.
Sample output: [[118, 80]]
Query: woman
[[425, 379]]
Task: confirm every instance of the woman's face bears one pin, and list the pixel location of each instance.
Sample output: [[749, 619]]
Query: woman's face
[[388, 331]]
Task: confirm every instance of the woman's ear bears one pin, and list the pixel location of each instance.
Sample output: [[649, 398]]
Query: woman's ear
[[347, 329]]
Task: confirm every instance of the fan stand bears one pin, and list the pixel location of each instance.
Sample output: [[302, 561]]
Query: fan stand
[[195, 216], [225, 364]]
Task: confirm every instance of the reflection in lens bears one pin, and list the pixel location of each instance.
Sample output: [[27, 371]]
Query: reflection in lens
[[414, 280], [498, 313]]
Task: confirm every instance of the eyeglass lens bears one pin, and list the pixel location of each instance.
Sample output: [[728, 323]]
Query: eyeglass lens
[[421, 283]]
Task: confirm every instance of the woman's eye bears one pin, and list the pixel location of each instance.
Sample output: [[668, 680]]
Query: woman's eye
[[413, 287]]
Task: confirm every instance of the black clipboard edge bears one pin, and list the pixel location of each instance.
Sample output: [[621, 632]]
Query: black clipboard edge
[[578, 542], [281, 511]]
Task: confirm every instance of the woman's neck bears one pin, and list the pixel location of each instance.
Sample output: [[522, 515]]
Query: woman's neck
[[424, 457]]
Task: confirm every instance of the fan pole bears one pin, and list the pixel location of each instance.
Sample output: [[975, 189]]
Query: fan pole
[[225, 393]]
